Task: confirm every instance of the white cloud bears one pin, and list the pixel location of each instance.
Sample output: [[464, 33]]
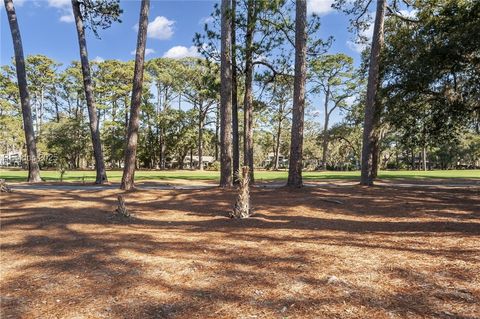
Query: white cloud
[[360, 46], [207, 20], [179, 52], [320, 7], [65, 9], [147, 51], [355, 46], [67, 18], [59, 3], [160, 28], [98, 59], [18, 3]]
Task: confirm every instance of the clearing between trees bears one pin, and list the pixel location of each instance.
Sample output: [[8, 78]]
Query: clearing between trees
[[325, 252]]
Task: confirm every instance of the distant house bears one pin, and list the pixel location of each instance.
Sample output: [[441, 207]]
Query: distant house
[[269, 161], [193, 161], [12, 159]]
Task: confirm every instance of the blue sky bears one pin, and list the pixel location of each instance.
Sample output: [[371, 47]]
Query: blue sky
[[47, 28]]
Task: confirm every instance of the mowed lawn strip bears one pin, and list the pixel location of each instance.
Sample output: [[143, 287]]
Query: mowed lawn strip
[[15, 175]]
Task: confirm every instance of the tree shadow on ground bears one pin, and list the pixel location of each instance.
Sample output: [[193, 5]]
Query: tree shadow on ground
[[182, 257]]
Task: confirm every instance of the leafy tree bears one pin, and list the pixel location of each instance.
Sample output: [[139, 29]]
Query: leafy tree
[[201, 87], [278, 112], [67, 140], [112, 90], [41, 73], [333, 76], [165, 73], [10, 112], [358, 9]]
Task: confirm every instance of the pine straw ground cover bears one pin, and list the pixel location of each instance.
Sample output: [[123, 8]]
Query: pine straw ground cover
[[384, 252]]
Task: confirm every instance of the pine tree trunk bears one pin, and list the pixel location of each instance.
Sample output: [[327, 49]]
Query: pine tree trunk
[[33, 168], [88, 86], [55, 102], [128, 177], [424, 158], [200, 138], [367, 176], [40, 116], [226, 96], [248, 98], [296, 145], [375, 156], [325, 131], [217, 129], [235, 134], [277, 144]]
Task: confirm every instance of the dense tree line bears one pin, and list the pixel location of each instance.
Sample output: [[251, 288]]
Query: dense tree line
[[413, 103]]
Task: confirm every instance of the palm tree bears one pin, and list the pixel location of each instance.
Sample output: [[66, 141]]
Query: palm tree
[[133, 124], [33, 168], [296, 145], [88, 86]]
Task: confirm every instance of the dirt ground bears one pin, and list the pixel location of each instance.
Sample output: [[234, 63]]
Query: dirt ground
[[318, 252]]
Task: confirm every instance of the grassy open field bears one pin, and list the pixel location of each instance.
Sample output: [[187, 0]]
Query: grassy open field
[[15, 175]]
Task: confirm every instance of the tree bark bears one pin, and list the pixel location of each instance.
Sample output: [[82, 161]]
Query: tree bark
[[424, 158], [128, 177], [217, 129], [248, 98], [367, 176], [200, 137], [33, 168], [375, 156], [160, 130], [235, 135], [325, 131], [40, 116], [226, 96], [296, 144], [101, 174], [277, 142], [55, 102]]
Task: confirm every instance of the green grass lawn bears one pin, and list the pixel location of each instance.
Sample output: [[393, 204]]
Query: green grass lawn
[[15, 175]]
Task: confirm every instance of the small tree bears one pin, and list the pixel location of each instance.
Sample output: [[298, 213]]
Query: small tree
[[121, 210], [242, 208]]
